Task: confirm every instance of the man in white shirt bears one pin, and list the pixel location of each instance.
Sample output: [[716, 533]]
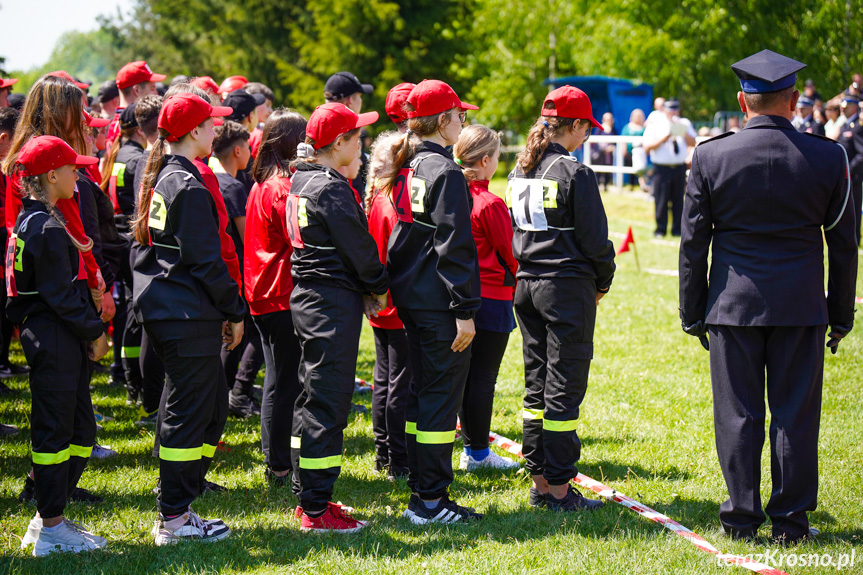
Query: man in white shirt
[[667, 138]]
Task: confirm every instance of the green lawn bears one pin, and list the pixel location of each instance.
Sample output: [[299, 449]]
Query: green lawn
[[647, 431]]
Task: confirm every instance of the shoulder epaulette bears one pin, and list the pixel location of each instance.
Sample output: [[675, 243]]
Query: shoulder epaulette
[[719, 137], [820, 137]]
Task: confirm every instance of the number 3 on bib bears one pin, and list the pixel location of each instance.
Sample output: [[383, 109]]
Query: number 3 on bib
[[527, 200]]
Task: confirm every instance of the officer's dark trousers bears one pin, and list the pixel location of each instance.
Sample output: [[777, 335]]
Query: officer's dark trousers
[[794, 361], [439, 376], [328, 320], [61, 417], [390, 397], [556, 317], [244, 361], [281, 386], [152, 373], [487, 352], [193, 409], [669, 184]]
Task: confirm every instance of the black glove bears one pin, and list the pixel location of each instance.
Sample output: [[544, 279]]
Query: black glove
[[699, 330], [837, 332]]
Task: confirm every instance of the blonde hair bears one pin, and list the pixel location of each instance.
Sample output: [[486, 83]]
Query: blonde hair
[[475, 142], [380, 163]]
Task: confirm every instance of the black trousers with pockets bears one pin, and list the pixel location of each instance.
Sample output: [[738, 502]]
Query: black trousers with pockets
[[328, 320], [434, 399], [61, 417], [487, 352], [793, 359], [193, 408], [243, 363], [281, 386], [669, 185], [557, 318], [390, 397]]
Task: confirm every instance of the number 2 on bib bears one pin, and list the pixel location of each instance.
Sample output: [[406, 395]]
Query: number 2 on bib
[[408, 195]]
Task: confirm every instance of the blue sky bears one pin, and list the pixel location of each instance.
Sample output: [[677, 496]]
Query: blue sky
[[32, 27]]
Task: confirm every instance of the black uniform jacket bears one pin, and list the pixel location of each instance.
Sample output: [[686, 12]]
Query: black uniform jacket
[[568, 235], [338, 250], [125, 167], [433, 261], [182, 274], [112, 248], [45, 268], [762, 196], [851, 138]]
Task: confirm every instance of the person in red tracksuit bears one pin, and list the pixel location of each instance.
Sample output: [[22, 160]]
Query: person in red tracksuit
[[268, 285], [478, 151]]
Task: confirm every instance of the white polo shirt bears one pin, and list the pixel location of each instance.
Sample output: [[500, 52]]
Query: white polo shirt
[[664, 155]]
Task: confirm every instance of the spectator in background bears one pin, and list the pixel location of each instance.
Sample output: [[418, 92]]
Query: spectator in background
[[108, 98], [804, 121], [635, 155], [602, 154], [17, 101], [264, 110], [810, 90], [835, 119], [345, 88], [733, 124], [658, 104], [851, 138], [5, 90]]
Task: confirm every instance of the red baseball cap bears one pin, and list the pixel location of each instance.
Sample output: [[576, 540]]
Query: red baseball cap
[[95, 122], [206, 83], [395, 104], [45, 153], [6, 82], [232, 83], [331, 120], [136, 73], [431, 97], [181, 113], [570, 102], [65, 75]]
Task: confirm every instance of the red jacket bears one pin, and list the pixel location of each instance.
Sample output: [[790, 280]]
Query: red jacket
[[492, 231], [267, 262], [229, 252], [255, 141], [382, 220]]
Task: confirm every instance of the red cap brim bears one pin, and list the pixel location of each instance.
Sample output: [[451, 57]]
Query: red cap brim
[[366, 119], [466, 106], [98, 122], [7, 82], [595, 123], [221, 111], [82, 161], [218, 121], [157, 77]]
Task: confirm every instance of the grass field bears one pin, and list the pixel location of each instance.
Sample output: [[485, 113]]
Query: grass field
[[647, 428]]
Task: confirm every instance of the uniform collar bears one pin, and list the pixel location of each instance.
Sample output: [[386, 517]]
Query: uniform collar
[[28, 204], [556, 148], [769, 122], [311, 167], [184, 163], [427, 146]]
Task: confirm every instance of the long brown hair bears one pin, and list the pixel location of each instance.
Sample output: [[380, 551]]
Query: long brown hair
[[405, 148], [540, 135], [51, 103], [283, 131], [475, 142]]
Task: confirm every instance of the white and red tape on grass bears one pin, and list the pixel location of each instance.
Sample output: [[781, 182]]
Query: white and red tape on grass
[[608, 493]]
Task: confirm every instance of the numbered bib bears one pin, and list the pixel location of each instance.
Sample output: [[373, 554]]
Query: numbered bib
[[13, 258], [158, 212], [408, 195], [296, 218], [528, 199]]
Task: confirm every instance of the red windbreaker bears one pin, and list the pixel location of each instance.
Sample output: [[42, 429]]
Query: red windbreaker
[[255, 141], [267, 260], [382, 221], [229, 252], [492, 231]]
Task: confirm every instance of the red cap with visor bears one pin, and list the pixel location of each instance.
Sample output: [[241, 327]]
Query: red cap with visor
[[6, 82], [331, 120], [95, 122], [395, 104], [45, 153], [206, 83], [232, 83], [135, 73], [431, 97], [65, 75], [569, 102], [181, 113]]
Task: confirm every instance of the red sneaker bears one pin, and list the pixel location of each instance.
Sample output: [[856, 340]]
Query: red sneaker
[[333, 519], [298, 512]]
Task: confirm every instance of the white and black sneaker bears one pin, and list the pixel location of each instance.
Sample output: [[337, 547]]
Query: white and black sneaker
[[446, 511], [188, 527], [412, 506]]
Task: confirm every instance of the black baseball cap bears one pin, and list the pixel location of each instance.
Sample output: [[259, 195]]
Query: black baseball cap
[[107, 91], [343, 84], [242, 103], [127, 117]]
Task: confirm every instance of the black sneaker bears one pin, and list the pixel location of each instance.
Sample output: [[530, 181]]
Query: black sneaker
[[242, 406], [28, 494], [396, 473], [211, 487], [573, 501], [79, 495], [8, 430], [535, 498], [446, 511], [12, 370], [277, 480]]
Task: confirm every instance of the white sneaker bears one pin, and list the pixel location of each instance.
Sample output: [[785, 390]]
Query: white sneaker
[[102, 452], [492, 461], [32, 534], [64, 539], [463, 460], [97, 540], [192, 528]]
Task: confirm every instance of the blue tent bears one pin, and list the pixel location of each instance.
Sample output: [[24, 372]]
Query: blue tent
[[615, 95]]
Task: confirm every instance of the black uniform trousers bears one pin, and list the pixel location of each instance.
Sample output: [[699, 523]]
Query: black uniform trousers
[[122, 295], [61, 417], [439, 376], [193, 408], [152, 373], [281, 386], [328, 321], [669, 184], [487, 352], [130, 345], [557, 318], [393, 377], [794, 362], [243, 363]]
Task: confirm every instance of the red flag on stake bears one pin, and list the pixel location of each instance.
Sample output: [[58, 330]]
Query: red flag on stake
[[627, 241]]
